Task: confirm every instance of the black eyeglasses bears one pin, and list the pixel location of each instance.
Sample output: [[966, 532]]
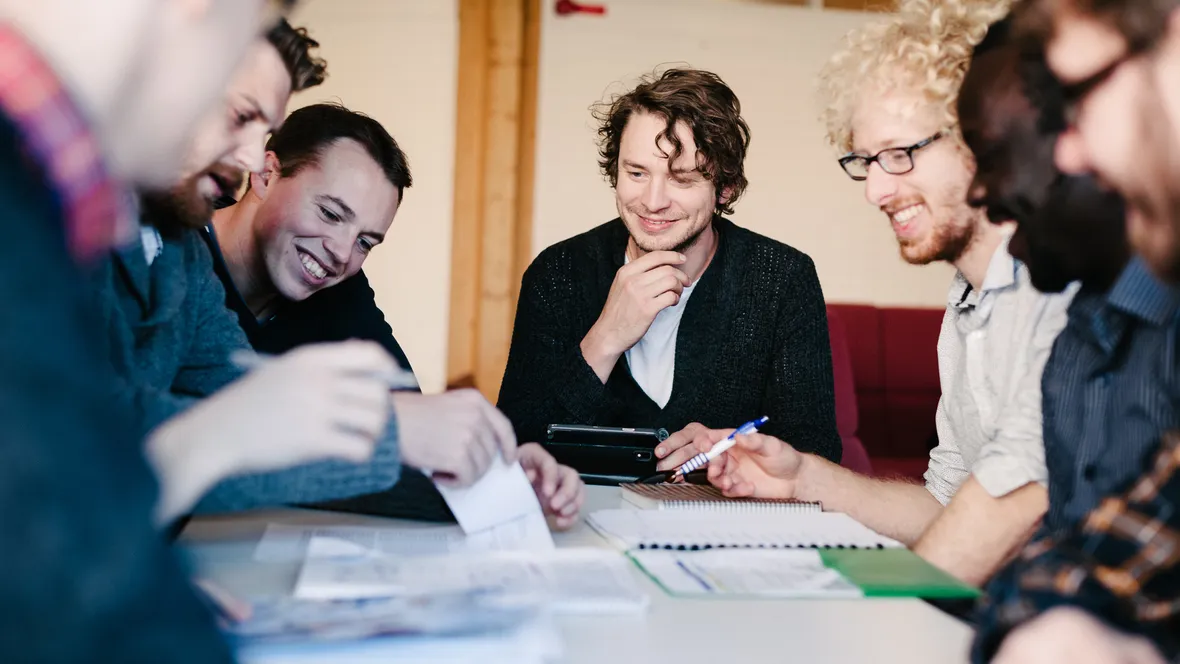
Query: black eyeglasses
[[895, 161], [1074, 94]]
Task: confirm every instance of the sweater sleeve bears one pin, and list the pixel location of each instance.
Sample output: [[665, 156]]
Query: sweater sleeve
[[800, 397], [206, 366], [547, 381], [309, 483]]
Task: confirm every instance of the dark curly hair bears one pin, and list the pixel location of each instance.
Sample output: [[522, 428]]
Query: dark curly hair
[[295, 48], [709, 109]]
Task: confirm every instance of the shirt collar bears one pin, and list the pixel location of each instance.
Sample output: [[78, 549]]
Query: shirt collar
[[1002, 272], [57, 137], [1138, 293]]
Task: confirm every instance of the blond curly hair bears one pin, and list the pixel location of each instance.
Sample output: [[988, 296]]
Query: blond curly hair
[[925, 45]]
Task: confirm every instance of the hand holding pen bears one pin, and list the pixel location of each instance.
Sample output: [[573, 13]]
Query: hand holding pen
[[703, 458]]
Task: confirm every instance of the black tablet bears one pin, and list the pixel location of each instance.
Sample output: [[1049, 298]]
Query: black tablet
[[605, 455]]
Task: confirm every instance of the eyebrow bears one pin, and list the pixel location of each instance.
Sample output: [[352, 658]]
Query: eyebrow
[[627, 163], [348, 213], [270, 122]]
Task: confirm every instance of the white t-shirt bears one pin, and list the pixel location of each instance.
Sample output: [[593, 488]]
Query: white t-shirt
[[653, 359]]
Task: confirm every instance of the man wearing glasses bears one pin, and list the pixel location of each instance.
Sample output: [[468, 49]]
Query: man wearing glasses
[[984, 492], [1107, 588]]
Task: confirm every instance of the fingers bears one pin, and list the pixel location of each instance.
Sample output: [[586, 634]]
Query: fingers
[[703, 441], [679, 439], [501, 427], [346, 356], [546, 471], [756, 443], [653, 260], [567, 502], [664, 278]]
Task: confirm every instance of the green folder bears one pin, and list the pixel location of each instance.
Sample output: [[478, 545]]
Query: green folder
[[895, 573]]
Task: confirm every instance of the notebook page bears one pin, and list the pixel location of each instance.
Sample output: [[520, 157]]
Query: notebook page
[[753, 572], [659, 529]]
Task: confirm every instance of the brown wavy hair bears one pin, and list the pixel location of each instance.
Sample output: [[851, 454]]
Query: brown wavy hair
[[705, 104]]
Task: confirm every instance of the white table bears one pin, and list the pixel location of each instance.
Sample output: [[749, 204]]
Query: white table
[[684, 631]]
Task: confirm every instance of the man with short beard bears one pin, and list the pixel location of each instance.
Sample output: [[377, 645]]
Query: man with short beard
[[172, 339], [671, 313], [985, 486]]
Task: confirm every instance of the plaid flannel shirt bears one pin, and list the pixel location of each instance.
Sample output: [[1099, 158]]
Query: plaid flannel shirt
[[1120, 564], [57, 138]]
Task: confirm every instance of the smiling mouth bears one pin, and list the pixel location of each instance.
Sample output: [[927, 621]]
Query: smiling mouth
[[313, 266], [903, 217]]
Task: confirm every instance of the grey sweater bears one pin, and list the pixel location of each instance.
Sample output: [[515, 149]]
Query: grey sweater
[[170, 339]]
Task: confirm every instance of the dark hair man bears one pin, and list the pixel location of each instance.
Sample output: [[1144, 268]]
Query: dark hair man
[[671, 314]]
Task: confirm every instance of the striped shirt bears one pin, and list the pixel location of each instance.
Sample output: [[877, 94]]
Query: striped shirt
[[991, 350], [1109, 390]]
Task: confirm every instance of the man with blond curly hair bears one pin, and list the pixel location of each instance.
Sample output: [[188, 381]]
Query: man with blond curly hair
[[890, 97]]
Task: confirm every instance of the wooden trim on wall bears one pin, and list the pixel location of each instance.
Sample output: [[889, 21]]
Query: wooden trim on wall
[[499, 42]]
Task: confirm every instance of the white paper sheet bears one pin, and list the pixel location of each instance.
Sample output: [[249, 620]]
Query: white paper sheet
[[285, 543], [746, 572], [569, 580], [501, 495]]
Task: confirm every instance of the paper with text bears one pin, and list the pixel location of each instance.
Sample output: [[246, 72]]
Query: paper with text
[[570, 580], [752, 572]]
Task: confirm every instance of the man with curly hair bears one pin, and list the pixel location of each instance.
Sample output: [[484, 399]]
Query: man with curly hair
[[671, 314], [890, 96]]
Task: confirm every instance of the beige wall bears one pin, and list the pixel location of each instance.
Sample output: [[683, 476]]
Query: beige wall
[[769, 55], [396, 61]]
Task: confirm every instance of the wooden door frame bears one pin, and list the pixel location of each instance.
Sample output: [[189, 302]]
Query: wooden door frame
[[491, 245]]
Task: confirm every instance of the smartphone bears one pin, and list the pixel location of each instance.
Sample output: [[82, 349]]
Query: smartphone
[[605, 455]]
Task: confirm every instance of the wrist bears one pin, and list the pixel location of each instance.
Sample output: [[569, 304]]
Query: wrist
[[599, 353], [808, 480]]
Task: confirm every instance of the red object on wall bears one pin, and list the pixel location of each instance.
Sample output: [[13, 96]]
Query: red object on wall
[[567, 7]]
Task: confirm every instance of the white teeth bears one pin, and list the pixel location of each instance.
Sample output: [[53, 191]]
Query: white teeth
[[313, 266], [904, 215]]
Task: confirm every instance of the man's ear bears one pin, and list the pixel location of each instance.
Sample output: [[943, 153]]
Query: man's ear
[[726, 195], [260, 182]]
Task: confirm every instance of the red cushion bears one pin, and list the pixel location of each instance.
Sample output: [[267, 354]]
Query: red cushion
[[893, 361], [845, 386]]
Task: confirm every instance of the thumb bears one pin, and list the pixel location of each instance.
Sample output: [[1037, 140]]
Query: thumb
[[753, 443]]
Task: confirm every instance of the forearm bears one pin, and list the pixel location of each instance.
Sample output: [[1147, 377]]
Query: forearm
[[900, 510], [978, 533], [598, 353]]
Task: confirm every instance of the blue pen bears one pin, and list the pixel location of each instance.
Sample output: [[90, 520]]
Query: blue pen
[[720, 448]]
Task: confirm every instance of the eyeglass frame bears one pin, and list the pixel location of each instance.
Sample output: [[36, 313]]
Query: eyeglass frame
[[869, 160], [1073, 95]]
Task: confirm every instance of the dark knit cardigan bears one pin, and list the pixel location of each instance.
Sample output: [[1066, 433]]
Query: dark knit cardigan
[[753, 341]]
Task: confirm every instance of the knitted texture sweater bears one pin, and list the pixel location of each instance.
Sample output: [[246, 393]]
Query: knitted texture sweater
[[753, 341]]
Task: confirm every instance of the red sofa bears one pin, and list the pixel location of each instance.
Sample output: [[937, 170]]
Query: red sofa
[[885, 365]]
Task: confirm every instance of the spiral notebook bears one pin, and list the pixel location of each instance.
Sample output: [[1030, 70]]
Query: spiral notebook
[[632, 529], [704, 498]]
